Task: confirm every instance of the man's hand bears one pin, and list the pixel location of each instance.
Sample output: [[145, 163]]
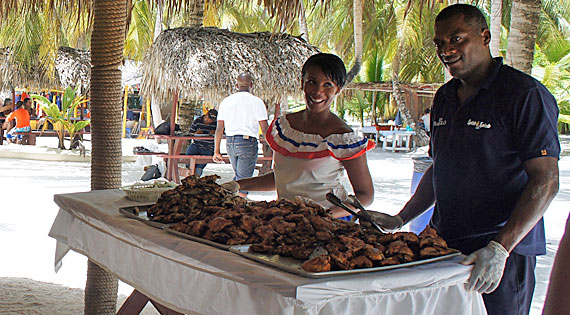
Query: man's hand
[[385, 222], [232, 186], [217, 157], [489, 267]]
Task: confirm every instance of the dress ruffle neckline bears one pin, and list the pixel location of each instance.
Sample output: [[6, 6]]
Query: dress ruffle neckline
[[291, 142]]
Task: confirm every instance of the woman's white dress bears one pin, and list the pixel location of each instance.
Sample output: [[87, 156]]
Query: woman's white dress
[[309, 165]]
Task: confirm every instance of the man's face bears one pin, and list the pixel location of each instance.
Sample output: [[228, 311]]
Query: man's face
[[28, 104], [207, 119], [462, 48]]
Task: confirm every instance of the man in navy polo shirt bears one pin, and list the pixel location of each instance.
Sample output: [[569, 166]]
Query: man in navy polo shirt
[[495, 153]]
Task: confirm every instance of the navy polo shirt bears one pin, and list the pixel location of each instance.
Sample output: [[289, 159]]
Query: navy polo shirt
[[478, 150]]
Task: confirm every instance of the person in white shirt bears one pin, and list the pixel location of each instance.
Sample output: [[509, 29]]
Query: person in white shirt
[[241, 115], [426, 119]]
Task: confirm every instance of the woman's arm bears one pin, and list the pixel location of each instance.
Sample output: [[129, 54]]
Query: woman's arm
[[265, 182], [361, 181]]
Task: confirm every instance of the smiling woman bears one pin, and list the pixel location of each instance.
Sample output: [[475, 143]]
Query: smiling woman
[[313, 147]]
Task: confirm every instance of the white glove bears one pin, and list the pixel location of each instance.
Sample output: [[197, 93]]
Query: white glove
[[385, 222], [489, 267], [232, 186]]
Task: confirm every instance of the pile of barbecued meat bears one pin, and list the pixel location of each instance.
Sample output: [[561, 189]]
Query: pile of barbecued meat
[[298, 229]]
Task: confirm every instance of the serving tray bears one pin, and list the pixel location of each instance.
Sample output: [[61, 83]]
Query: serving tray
[[198, 239], [139, 213], [293, 265]]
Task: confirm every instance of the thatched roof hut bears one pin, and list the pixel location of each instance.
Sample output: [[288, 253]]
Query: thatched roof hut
[[205, 62], [72, 67]]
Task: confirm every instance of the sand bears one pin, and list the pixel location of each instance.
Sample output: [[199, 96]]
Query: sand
[[29, 285]]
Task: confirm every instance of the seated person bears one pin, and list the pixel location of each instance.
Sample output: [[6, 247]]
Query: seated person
[[313, 147], [22, 117], [205, 124], [4, 111]]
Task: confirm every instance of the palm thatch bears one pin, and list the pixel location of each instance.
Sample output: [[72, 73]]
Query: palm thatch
[[72, 67], [205, 62]]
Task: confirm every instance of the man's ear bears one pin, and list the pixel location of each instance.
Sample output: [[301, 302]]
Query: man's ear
[[486, 36]]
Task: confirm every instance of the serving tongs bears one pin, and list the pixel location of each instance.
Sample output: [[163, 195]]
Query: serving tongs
[[364, 216]]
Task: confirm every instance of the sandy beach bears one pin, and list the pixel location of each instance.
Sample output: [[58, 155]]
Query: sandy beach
[[29, 284]]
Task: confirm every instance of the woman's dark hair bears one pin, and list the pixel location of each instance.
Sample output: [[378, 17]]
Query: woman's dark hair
[[19, 104], [331, 65]]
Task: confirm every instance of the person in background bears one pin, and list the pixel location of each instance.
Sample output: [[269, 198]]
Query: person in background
[[313, 147], [495, 149], [28, 105], [4, 111], [557, 299], [22, 118], [203, 125], [426, 120], [240, 116]]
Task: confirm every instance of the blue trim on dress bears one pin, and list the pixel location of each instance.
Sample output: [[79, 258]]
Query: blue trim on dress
[[311, 144]]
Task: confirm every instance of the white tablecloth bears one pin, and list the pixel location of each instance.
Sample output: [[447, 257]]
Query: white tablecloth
[[189, 276]]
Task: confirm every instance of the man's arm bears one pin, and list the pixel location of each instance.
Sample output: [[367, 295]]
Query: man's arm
[[263, 125], [217, 141], [557, 301], [265, 182], [535, 199]]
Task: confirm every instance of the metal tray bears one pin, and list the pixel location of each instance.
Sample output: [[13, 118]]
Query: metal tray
[[139, 213], [293, 265], [197, 239]]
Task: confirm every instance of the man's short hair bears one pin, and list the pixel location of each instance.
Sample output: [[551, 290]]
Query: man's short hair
[[471, 14], [7, 101], [19, 104]]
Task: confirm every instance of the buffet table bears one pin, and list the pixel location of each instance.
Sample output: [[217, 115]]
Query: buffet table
[[192, 277]]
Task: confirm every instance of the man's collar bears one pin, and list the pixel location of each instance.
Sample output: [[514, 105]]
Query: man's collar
[[492, 73], [488, 82]]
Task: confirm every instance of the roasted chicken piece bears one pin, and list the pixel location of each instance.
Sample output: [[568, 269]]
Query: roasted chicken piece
[[398, 247], [322, 223], [361, 262], [320, 263], [372, 253], [281, 226], [407, 237], [301, 252], [432, 241], [248, 223], [352, 244], [431, 252], [340, 260], [428, 231], [266, 232], [218, 224], [386, 238]]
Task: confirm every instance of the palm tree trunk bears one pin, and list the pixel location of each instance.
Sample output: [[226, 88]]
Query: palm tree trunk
[[303, 28], [107, 43], [186, 109], [525, 16], [197, 14], [154, 104], [496, 22], [421, 136]]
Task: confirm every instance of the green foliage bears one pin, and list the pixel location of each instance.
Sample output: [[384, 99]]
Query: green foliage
[[62, 118]]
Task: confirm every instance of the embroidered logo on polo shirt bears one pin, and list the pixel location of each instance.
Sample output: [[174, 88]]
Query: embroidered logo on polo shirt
[[478, 124], [440, 122], [543, 152]]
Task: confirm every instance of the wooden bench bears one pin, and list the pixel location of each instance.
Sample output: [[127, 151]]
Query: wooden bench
[[202, 159], [29, 137]]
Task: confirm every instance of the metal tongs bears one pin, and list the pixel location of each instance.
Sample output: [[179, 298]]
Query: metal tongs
[[353, 201]]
